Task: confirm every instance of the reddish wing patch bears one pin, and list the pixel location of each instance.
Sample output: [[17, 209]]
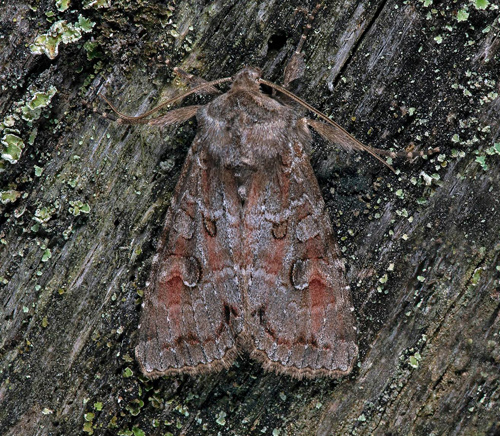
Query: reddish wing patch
[[185, 326], [301, 320]]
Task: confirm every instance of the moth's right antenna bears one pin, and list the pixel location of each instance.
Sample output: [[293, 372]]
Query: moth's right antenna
[[330, 131]]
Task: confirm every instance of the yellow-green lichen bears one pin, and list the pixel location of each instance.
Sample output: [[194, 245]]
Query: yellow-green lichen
[[38, 171], [32, 110], [495, 149], [221, 418], [87, 426], [60, 31], [62, 5], [481, 4], [84, 24], [67, 232], [8, 121], [96, 4], [12, 146], [415, 359], [42, 99], [47, 254], [135, 406], [43, 214], [476, 276], [481, 160], [78, 207], [92, 49], [9, 196], [462, 15]]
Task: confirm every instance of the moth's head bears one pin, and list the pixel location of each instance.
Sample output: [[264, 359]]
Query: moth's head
[[247, 79]]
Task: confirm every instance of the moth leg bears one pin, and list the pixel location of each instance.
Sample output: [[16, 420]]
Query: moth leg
[[296, 66], [108, 115], [173, 117], [195, 81]]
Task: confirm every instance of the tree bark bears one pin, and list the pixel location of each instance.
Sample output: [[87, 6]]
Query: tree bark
[[83, 205]]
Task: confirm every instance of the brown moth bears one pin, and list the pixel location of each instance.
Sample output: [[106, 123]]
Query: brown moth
[[247, 260]]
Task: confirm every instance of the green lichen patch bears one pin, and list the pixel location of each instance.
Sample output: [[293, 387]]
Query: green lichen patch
[[481, 4], [495, 149], [414, 360], [42, 99], [47, 254], [32, 110], [136, 431], [84, 24], [96, 4], [38, 171], [67, 232], [9, 196], [62, 5], [8, 121], [462, 15], [48, 43], [135, 406], [221, 418], [88, 426], [92, 49], [12, 146], [43, 214], [78, 207], [476, 276], [127, 372], [60, 32], [481, 160]]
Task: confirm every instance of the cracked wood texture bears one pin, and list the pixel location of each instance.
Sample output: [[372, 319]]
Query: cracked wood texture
[[84, 200]]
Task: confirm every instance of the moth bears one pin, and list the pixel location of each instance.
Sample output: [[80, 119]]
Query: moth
[[247, 260]]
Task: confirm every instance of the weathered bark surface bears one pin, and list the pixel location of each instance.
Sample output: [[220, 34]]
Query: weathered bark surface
[[422, 246]]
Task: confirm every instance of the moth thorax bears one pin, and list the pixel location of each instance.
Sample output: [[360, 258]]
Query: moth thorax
[[247, 79]]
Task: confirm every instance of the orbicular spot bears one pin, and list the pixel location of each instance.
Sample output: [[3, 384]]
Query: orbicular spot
[[191, 271], [184, 224], [299, 275], [210, 226], [187, 269], [307, 228], [279, 230]]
